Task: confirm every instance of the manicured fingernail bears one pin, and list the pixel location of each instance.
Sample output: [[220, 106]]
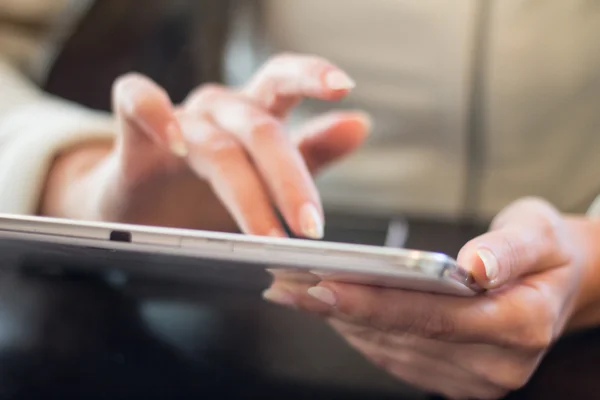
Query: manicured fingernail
[[337, 80], [176, 141], [311, 222], [490, 264], [279, 296], [324, 295]]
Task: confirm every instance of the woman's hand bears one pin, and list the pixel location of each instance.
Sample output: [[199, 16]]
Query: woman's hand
[[538, 267], [221, 159]]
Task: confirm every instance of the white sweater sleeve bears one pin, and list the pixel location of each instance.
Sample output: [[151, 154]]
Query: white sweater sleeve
[[31, 136], [34, 127]]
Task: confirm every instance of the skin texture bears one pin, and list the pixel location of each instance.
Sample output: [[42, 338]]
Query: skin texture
[[223, 159]]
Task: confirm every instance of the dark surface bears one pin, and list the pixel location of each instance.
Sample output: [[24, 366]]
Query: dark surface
[[68, 337]]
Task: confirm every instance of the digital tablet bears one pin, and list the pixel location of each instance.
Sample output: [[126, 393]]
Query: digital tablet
[[39, 242]]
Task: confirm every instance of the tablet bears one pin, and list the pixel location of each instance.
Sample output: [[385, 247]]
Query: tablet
[[40, 242]]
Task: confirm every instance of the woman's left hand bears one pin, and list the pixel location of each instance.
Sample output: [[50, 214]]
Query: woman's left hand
[[537, 265]]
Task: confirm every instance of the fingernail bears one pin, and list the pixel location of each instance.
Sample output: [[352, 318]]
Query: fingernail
[[324, 295], [490, 264], [337, 80], [176, 142], [311, 223], [279, 296]]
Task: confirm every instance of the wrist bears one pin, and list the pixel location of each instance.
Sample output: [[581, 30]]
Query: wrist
[[586, 234], [67, 188]]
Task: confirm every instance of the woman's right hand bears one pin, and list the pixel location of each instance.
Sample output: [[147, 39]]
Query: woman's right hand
[[220, 159]]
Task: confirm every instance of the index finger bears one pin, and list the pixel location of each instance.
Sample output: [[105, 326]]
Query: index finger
[[278, 161], [399, 311], [503, 318], [145, 111], [285, 79]]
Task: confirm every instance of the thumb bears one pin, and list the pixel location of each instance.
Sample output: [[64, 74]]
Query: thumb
[[330, 137], [526, 238], [146, 115]]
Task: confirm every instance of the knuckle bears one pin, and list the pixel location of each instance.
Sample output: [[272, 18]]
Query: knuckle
[[514, 378], [133, 83], [216, 146], [222, 148], [536, 205], [204, 94], [511, 255], [426, 322], [535, 330], [558, 246], [514, 384], [375, 338], [431, 324], [505, 376], [287, 59], [130, 78], [506, 373], [282, 58], [264, 130], [550, 230], [536, 339], [384, 318], [407, 357], [438, 325], [380, 360], [531, 201], [209, 90], [274, 66], [137, 95], [528, 206], [362, 333]]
